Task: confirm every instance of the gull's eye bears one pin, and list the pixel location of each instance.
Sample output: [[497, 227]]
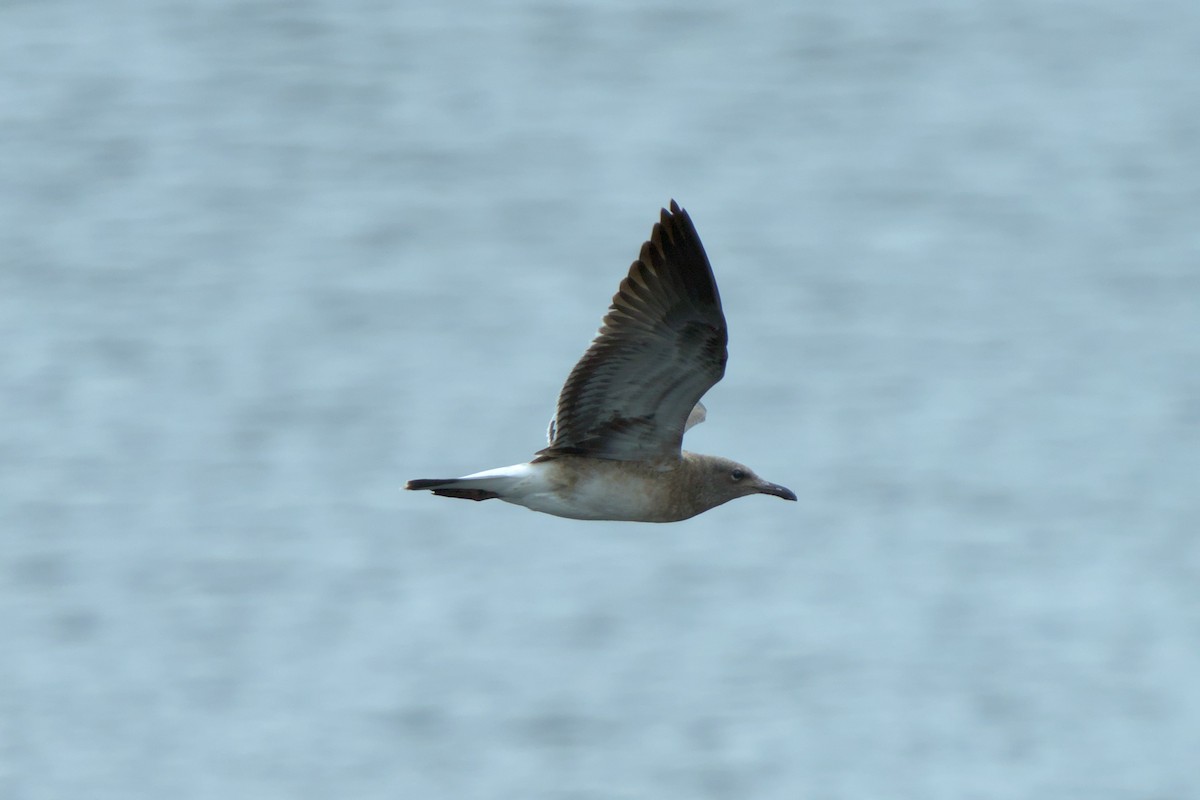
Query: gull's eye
[[737, 474]]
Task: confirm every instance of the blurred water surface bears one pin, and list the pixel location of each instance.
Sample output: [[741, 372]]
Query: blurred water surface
[[260, 262]]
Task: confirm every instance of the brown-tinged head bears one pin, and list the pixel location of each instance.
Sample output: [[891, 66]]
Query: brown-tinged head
[[718, 480]]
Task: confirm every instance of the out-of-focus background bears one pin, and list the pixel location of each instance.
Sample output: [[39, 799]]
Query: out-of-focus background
[[261, 262]]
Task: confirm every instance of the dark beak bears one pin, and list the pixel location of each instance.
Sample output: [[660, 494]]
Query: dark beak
[[777, 490]]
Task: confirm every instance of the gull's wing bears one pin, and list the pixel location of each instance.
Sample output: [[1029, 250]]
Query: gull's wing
[[698, 415], [660, 348]]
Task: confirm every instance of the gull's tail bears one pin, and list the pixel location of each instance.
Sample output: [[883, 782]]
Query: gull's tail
[[489, 485], [453, 487]]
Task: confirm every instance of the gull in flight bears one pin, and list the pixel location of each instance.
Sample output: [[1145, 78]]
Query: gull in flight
[[616, 439]]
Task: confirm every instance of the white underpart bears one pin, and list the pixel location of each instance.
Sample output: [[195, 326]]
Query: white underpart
[[515, 472], [608, 496]]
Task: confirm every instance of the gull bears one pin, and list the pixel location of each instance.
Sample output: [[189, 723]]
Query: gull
[[615, 449]]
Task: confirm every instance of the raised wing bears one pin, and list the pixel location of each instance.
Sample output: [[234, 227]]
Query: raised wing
[[698, 415], [661, 346]]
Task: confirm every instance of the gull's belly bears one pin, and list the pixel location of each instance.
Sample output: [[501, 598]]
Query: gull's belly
[[603, 494]]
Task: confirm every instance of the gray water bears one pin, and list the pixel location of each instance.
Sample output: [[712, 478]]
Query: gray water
[[261, 262]]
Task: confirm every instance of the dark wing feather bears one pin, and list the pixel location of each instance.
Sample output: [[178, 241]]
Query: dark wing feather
[[661, 346]]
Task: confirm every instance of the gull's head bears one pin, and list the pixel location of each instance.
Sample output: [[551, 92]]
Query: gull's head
[[726, 480]]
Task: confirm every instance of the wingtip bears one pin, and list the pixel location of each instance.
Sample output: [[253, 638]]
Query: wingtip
[[672, 217]]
